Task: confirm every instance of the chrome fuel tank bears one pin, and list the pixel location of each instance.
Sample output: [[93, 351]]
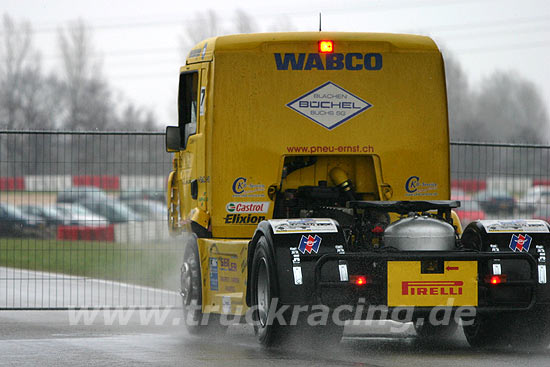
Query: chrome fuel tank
[[420, 233]]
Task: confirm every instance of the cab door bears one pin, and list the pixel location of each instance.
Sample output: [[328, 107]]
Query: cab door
[[191, 175]]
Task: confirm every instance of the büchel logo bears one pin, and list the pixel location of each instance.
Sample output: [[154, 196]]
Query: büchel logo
[[432, 288], [329, 105]]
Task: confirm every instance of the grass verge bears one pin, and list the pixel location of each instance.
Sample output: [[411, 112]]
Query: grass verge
[[155, 265]]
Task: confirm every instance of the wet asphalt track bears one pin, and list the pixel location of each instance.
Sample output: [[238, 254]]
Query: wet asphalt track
[[46, 338]]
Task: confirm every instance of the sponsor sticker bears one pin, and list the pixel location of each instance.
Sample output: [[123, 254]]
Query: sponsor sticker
[[432, 287], [409, 286], [226, 279], [515, 225], [226, 304], [414, 186], [519, 243], [247, 207], [214, 273], [329, 105], [204, 50], [352, 61], [243, 187], [309, 244], [226, 264], [303, 225], [200, 179], [203, 93], [243, 218]]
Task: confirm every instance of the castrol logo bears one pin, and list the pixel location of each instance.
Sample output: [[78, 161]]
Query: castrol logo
[[247, 207]]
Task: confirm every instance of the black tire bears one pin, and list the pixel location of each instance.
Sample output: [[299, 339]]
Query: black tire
[[196, 322], [529, 330], [264, 291], [434, 333], [485, 332]]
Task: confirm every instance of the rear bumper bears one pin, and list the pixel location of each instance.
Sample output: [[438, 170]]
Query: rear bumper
[[513, 295]]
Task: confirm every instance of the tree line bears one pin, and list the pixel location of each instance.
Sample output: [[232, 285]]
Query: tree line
[[504, 107], [77, 98]]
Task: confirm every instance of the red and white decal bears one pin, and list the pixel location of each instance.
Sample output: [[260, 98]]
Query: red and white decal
[[247, 207], [432, 288]]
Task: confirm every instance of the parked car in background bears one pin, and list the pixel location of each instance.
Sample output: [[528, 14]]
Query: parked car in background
[[138, 194], [459, 194], [77, 215], [542, 212], [148, 209], [78, 193], [13, 222], [469, 211], [113, 210], [542, 209], [494, 201], [534, 196], [48, 214]]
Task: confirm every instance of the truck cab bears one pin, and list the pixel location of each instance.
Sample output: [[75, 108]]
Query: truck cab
[[263, 114]]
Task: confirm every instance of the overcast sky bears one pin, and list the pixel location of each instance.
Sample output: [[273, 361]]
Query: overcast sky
[[139, 40]]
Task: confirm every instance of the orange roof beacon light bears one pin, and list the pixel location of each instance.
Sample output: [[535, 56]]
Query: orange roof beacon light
[[326, 46]]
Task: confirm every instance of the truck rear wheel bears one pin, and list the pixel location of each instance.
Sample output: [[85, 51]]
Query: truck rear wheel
[[195, 320], [269, 331], [484, 332], [264, 293], [529, 329]]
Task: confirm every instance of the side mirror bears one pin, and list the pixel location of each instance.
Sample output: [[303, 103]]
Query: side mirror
[[173, 139]]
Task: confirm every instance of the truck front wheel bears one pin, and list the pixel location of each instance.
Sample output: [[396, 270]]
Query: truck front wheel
[[195, 320]]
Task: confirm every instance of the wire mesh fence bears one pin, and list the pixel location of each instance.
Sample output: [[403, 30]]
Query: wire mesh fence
[[83, 221], [83, 218], [501, 181]]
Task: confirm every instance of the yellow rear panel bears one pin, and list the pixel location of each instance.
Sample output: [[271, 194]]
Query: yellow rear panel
[[252, 128], [408, 286]]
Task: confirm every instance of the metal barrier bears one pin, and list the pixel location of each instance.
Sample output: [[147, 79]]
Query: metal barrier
[[55, 253], [501, 180], [83, 221]]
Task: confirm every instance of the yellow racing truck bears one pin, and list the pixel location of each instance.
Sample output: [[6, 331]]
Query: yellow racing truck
[[311, 181]]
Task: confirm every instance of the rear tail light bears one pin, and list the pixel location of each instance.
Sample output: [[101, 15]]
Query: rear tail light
[[359, 279], [495, 279]]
